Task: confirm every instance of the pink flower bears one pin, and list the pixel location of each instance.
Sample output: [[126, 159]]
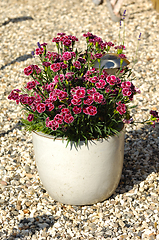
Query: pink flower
[[90, 72], [120, 47], [128, 89], [77, 110], [62, 95], [57, 39], [57, 91], [107, 89], [65, 111], [91, 91], [53, 125], [61, 34], [126, 92], [122, 70], [73, 90], [23, 98], [69, 76], [63, 65], [89, 100], [128, 121], [73, 54], [50, 106], [118, 80], [48, 100], [98, 97], [17, 90], [68, 118], [98, 55], [110, 44], [61, 106], [76, 100], [59, 118], [51, 86], [31, 100], [38, 98], [101, 77], [55, 67], [126, 84], [36, 69], [33, 106], [57, 77], [101, 84], [105, 73], [47, 121], [46, 64], [41, 107], [67, 56], [52, 56], [154, 113], [88, 34], [85, 109], [73, 38], [82, 60], [14, 95], [98, 40], [80, 93], [137, 90], [111, 79], [121, 108], [93, 79], [30, 117], [122, 55], [77, 64], [44, 44], [67, 42], [103, 45], [91, 110], [52, 96], [31, 85], [39, 51], [28, 70]]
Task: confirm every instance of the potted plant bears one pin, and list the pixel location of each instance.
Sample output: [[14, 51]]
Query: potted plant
[[76, 109]]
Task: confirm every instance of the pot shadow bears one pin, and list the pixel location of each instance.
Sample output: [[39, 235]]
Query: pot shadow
[[140, 157], [17, 19], [18, 59], [18, 125], [30, 226]]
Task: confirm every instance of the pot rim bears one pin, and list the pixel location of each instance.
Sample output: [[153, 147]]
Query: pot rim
[[65, 139]]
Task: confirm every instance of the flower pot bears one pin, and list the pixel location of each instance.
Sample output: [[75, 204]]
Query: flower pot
[[79, 176]]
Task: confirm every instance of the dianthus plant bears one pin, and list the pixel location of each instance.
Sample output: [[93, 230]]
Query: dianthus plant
[[68, 98]]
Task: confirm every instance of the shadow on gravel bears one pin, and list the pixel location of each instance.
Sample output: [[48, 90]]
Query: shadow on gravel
[[17, 19], [17, 126], [29, 226], [18, 59], [140, 158], [146, 10]]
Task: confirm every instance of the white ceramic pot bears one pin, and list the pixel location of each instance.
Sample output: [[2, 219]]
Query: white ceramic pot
[[79, 176]]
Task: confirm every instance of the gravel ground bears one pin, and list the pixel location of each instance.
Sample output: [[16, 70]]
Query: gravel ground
[[26, 210]]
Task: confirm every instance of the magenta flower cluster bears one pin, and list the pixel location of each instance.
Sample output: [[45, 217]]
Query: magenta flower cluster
[[67, 91]]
